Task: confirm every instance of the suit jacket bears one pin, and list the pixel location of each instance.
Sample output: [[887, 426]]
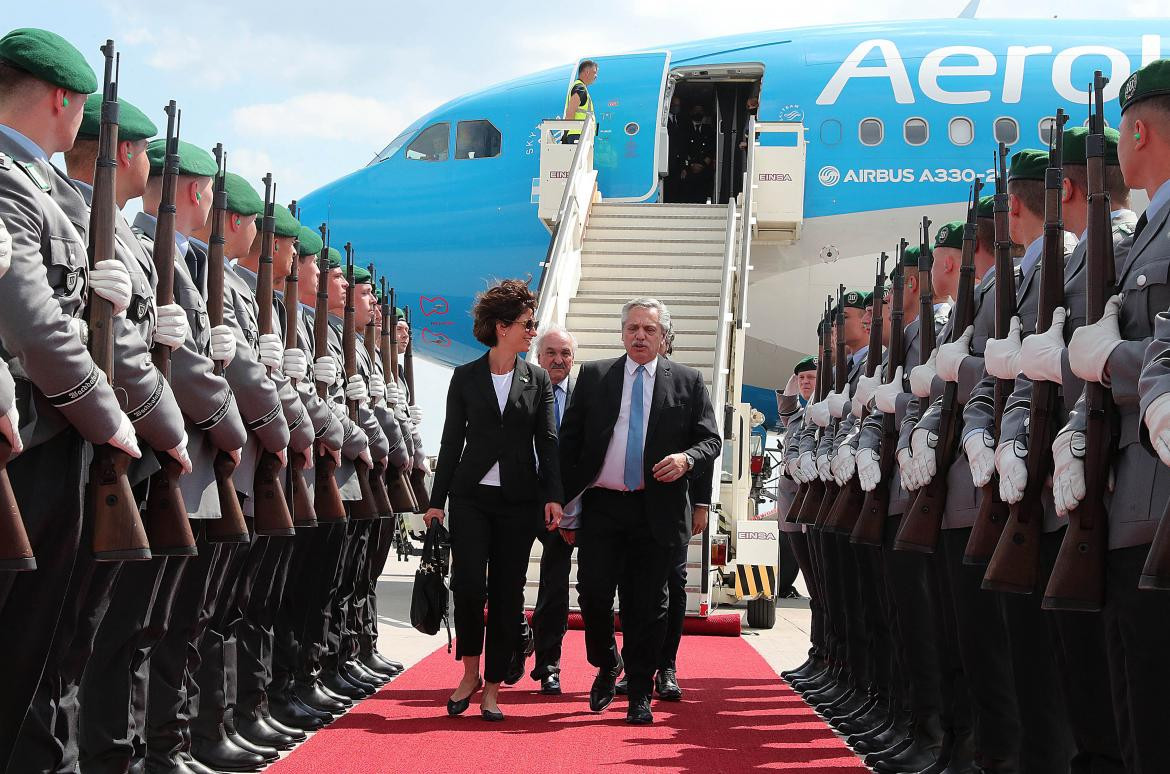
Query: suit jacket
[[477, 435], [681, 419]]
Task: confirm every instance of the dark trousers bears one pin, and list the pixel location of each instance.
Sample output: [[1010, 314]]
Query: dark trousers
[[324, 569], [789, 568], [956, 694], [850, 578], [491, 540], [983, 649], [872, 594], [348, 602], [618, 553], [31, 602], [288, 629], [383, 543], [1137, 639], [800, 550], [550, 618], [676, 609], [255, 630]]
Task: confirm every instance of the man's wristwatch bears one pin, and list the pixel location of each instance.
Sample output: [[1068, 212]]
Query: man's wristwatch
[[690, 462]]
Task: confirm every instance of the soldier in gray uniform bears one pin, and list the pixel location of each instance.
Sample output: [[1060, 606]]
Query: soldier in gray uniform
[[61, 396], [1132, 335]]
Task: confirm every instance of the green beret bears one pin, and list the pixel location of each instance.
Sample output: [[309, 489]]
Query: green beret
[[1028, 164], [986, 207], [1153, 80], [910, 256], [310, 240], [242, 198], [950, 235], [334, 258], [1075, 141], [133, 124], [49, 57], [362, 276], [855, 299], [193, 160], [805, 364], [286, 224]]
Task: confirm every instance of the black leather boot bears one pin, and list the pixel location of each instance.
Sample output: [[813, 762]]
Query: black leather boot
[[893, 731], [312, 697], [220, 753], [926, 753]]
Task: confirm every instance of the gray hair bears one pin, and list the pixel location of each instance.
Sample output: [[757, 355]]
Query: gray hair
[[539, 343], [645, 302]]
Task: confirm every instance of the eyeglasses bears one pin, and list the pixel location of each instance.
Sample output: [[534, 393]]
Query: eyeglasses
[[529, 325]]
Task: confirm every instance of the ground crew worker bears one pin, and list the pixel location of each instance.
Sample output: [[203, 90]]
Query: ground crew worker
[[578, 104]]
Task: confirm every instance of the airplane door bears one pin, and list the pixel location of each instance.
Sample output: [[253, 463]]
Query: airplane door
[[627, 102]]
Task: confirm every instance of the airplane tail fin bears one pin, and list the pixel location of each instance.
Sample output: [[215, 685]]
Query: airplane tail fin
[[970, 10]]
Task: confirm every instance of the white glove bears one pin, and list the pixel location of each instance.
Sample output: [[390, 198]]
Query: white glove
[[416, 415], [110, 280], [951, 356], [80, 328], [10, 425], [837, 401], [885, 397], [843, 465], [792, 467], [364, 456], [223, 344], [1042, 353], [377, 388], [1068, 471], [980, 448], [819, 413], [808, 467], [866, 387], [325, 370], [1157, 421], [271, 350], [922, 445], [170, 326], [1091, 345], [5, 249], [1013, 471], [791, 388], [393, 394], [355, 389], [125, 438], [922, 377], [869, 469], [306, 458], [825, 468], [906, 470], [1001, 358], [180, 454], [295, 364]]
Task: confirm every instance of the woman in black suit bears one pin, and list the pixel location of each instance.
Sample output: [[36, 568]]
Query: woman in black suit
[[499, 424]]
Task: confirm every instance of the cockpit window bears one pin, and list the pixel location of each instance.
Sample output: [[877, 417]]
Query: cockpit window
[[477, 140], [431, 144]]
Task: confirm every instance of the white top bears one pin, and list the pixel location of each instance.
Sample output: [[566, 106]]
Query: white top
[[503, 385], [613, 469]]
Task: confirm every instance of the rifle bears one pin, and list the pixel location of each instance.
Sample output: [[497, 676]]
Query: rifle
[[326, 495], [847, 508], [875, 507], [815, 489], [840, 377], [118, 534], [167, 525], [1013, 566], [418, 479], [272, 515], [230, 527], [923, 521], [1078, 576], [301, 504], [366, 507], [15, 549], [993, 511], [401, 495], [378, 472]]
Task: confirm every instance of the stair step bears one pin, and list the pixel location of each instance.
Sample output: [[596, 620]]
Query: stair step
[[660, 210], [645, 273], [591, 245], [660, 285], [664, 232]]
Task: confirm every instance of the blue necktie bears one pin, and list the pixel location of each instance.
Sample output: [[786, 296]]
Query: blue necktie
[[633, 477], [558, 391]]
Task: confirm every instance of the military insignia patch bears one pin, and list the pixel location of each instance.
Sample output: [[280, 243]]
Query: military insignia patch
[[1130, 87], [943, 233], [71, 280], [138, 309], [34, 173]]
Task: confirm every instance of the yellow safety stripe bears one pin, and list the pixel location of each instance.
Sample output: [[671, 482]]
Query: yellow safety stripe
[[755, 580]]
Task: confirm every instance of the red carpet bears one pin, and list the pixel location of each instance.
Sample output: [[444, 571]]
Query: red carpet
[[737, 715], [714, 625]]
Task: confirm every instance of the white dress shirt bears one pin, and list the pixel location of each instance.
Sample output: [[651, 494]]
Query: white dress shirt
[[613, 469]]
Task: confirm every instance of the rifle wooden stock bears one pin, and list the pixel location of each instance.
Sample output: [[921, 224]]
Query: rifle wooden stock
[[814, 491], [1156, 571], [118, 533], [16, 552], [398, 483], [1014, 567], [327, 500], [840, 377], [366, 507], [418, 479], [303, 513], [378, 472], [993, 511], [1078, 576]]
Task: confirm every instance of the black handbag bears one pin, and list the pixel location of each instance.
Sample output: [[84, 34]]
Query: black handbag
[[429, 602]]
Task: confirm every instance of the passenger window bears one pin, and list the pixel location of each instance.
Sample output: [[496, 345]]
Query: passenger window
[[477, 140], [431, 144], [915, 131], [1047, 126], [961, 131], [831, 132], [871, 131], [1007, 131]]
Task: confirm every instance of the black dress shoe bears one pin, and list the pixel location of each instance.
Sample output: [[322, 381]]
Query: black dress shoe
[[796, 672], [622, 687], [173, 766], [369, 687], [269, 754], [224, 755], [459, 706], [602, 692], [291, 711], [296, 734], [376, 667], [339, 685], [666, 684], [926, 752], [495, 716], [193, 765], [359, 670], [638, 713], [313, 697], [259, 733], [550, 684], [395, 666], [344, 701]]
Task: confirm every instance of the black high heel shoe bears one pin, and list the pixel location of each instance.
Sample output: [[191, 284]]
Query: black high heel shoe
[[459, 707]]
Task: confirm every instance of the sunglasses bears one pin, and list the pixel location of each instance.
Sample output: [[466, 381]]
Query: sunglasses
[[529, 325]]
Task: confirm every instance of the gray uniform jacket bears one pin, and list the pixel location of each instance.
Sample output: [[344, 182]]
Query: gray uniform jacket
[[326, 428], [56, 381], [791, 417], [420, 454], [400, 451], [379, 447]]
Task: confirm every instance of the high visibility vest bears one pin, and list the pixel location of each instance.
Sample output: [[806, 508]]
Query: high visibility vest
[[582, 110]]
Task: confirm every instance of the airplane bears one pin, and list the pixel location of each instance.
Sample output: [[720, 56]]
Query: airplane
[[898, 119]]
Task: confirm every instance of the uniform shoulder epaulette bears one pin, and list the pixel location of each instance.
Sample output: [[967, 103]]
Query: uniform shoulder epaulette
[[1125, 229], [34, 174]]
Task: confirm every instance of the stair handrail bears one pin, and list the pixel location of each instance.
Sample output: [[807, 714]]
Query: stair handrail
[[721, 370], [569, 208], [745, 244]]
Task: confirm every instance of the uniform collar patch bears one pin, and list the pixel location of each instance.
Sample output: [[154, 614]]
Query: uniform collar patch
[[36, 174]]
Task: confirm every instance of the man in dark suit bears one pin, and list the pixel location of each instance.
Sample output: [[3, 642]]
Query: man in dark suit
[[635, 427], [699, 148]]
